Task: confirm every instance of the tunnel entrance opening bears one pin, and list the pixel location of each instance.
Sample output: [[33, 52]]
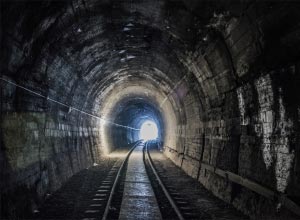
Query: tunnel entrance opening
[[148, 131], [141, 118]]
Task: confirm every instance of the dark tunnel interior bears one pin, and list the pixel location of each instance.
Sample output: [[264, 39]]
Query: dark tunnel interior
[[220, 79], [133, 113]]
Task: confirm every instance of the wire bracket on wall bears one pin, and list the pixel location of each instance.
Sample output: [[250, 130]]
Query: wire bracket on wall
[[171, 91], [71, 108]]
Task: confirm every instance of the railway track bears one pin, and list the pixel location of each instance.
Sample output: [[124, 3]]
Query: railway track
[[105, 202], [192, 199], [133, 189], [139, 188], [173, 203], [141, 185]]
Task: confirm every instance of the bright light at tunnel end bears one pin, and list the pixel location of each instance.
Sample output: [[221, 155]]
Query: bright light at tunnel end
[[148, 131]]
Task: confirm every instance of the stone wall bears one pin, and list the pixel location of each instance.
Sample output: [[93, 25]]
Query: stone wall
[[40, 150], [249, 122]]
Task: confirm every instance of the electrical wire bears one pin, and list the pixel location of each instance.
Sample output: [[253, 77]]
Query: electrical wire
[[68, 106], [172, 90]]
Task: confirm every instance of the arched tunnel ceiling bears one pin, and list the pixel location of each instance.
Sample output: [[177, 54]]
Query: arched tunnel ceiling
[[91, 48], [100, 38], [128, 101], [88, 46], [82, 51], [99, 41]]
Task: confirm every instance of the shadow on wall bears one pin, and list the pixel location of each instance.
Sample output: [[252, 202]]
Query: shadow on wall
[[21, 177], [38, 155]]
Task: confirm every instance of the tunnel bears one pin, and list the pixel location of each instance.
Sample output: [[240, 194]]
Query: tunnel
[[219, 79]]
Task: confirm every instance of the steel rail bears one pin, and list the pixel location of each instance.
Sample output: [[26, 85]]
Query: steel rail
[[104, 217], [174, 206]]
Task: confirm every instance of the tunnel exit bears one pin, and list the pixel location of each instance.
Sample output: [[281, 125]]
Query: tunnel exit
[[149, 131]]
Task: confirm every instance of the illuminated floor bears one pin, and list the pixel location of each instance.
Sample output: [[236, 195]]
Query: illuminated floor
[[139, 201]]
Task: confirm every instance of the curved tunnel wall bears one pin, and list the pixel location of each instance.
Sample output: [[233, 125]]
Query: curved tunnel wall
[[220, 78], [127, 104]]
